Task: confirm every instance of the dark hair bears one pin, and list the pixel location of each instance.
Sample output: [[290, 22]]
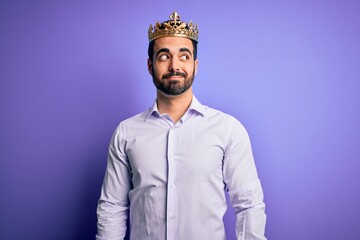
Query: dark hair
[[151, 49]]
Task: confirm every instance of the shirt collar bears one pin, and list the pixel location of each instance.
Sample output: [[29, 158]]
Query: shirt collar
[[195, 106], [152, 110]]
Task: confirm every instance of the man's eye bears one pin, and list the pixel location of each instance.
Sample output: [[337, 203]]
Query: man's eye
[[184, 57], [164, 57]]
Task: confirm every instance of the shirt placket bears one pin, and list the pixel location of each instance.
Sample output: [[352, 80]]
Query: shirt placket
[[171, 210]]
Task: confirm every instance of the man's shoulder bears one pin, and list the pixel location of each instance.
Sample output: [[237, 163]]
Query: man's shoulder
[[223, 116], [134, 120], [225, 121], [142, 116]]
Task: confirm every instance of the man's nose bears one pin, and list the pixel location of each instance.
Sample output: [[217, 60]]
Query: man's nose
[[174, 65]]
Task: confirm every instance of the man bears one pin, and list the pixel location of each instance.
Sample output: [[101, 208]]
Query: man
[[168, 166]]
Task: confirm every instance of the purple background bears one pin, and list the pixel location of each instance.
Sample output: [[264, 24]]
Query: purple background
[[71, 70]]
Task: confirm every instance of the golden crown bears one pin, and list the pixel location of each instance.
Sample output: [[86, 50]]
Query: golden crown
[[173, 28]]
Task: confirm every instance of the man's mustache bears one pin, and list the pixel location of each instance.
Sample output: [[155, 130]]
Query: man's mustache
[[171, 74]]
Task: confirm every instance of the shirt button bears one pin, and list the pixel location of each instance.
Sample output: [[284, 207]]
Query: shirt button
[[172, 217], [172, 186]]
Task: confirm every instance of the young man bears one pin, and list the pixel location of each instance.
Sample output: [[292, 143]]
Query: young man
[[168, 166]]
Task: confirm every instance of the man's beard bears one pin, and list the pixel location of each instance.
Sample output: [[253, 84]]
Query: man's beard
[[173, 87]]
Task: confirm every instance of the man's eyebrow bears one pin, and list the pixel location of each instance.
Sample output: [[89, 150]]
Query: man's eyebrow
[[163, 50], [185, 50]]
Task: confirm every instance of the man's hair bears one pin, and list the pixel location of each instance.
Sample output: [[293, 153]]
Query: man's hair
[[151, 49]]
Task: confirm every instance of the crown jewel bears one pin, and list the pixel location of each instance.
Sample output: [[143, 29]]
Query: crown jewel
[[173, 28]]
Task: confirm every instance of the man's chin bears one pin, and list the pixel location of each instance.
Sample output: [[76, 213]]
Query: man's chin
[[172, 82], [172, 91]]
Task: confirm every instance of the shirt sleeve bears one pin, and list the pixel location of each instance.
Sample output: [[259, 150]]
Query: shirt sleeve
[[113, 205], [243, 186]]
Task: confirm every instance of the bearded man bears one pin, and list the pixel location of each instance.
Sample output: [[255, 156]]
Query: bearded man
[[168, 166]]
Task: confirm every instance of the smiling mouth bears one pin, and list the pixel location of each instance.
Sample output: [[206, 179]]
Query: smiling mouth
[[174, 75], [175, 78]]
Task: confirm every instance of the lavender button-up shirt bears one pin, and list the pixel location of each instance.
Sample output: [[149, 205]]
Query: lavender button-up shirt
[[169, 178]]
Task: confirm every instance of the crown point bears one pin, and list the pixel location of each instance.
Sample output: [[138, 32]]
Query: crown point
[[174, 16]]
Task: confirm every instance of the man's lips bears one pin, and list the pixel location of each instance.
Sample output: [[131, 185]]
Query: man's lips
[[174, 78], [174, 75]]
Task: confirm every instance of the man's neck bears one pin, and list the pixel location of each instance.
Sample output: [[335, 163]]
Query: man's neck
[[174, 106]]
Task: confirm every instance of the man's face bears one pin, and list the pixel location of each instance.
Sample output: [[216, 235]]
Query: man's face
[[172, 65]]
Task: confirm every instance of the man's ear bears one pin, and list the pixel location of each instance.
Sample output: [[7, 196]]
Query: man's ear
[[196, 65], [150, 66]]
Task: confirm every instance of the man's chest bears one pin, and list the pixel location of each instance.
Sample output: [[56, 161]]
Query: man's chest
[[183, 152]]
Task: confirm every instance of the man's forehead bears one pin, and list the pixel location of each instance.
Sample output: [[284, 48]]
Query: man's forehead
[[173, 43]]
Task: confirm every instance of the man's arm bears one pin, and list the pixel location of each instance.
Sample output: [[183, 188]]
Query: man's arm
[[244, 188], [113, 205]]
